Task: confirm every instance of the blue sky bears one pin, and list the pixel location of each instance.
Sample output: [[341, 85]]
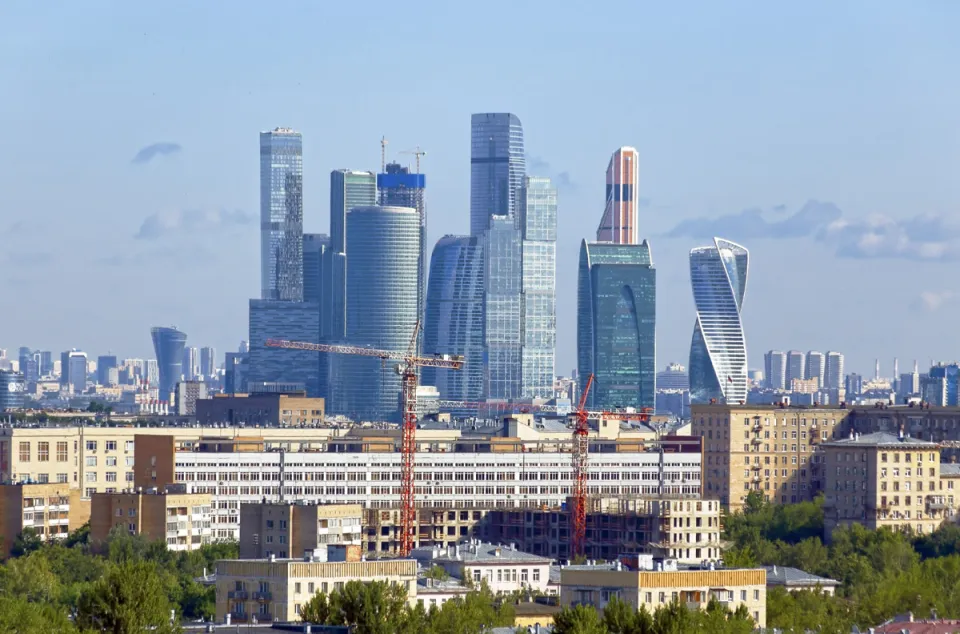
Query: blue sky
[[732, 105]]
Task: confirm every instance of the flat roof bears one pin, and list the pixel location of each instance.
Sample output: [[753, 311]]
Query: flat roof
[[882, 439]]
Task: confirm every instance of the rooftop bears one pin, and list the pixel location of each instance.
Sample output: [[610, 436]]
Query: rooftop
[[477, 552], [882, 439], [438, 586], [786, 576], [949, 470]]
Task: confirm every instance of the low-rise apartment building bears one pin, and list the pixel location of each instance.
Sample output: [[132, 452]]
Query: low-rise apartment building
[[52, 511], [883, 479], [264, 409], [501, 566], [268, 590], [286, 529], [796, 580], [767, 448], [179, 519], [597, 585]]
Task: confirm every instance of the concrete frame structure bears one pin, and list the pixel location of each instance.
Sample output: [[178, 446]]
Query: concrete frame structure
[[179, 519]]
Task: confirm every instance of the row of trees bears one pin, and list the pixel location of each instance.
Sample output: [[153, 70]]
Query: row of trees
[[620, 618]]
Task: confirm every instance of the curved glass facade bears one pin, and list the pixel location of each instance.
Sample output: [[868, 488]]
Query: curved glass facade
[[168, 344], [281, 215], [453, 322], [616, 324], [497, 167], [718, 352], [383, 253]]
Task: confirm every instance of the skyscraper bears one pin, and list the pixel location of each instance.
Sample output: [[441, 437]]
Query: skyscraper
[[104, 365], [314, 247], [168, 344], [775, 369], [796, 367], [833, 375], [294, 321], [619, 223], [502, 288], [616, 324], [281, 215], [348, 189], [718, 352], [383, 251], [208, 362], [816, 366], [537, 216], [191, 363], [13, 389], [497, 167], [453, 319], [77, 371], [29, 365]]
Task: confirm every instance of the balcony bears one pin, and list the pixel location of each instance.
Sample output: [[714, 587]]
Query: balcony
[[263, 596], [756, 440], [756, 478], [756, 425], [238, 595], [755, 467]]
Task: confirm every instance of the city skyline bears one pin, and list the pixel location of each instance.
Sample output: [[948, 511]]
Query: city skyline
[[151, 215]]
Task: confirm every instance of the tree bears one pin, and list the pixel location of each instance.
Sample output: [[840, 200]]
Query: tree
[[129, 599], [316, 610], [31, 579], [579, 619], [621, 618], [26, 542], [19, 616], [437, 573], [372, 608]]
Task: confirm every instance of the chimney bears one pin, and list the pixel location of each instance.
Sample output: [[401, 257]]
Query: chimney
[[774, 570]]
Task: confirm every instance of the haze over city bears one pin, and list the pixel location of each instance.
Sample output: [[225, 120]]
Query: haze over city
[[822, 136]]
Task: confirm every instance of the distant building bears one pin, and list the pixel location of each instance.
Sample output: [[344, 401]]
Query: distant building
[[503, 289], [264, 410], [74, 373], [674, 377], [620, 215], [497, 167], [29, 365], [208, 362], [105, 363], [187, 395], [816, 367], [675, 402], [191, 364], [833, 374], [168, 345], [616, 324], [13, 389], [942, 386], [291, 529], [281, 215], [235, 370], [294, 321], [502, 567], [46, 363], [179, 519], [315, 246], [854, 385], [796, 580], [796, 366]]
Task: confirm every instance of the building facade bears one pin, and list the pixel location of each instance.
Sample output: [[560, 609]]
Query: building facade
[[188, 393], [261, 410], [285, 529], [775, 369], [208, 362], [833, 373], [718, 352], [537, 215], [13, 389], [191, 363], [616, 324], [315, 246], [502, 309], [180, 520], [51, 511], [453, 321], [168, 344], [294, 321], [281, 215], [816, 367], [796, 366], [383, 252], [497, 167], [620, 215], [104, 364]]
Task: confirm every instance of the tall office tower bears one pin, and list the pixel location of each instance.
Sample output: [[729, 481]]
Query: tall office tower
[[718, 352], [77, 371], [46, 363], [151, 372], [104, 364], [348, 189], [674, 377], [281, 215], [235, 367], [796, 366], [244, 347], [616, 324], [775, 369], [502, 298], [816, 366], [191, 364], [168, 344], [208, 362], [399, 188], [29, 364], [64, 369], [294, 321], [537, 216], [497, 167], [453, 319], [13, 388], [383, 251], [853, 384], [619, 223], [833, 376], [315, 246]]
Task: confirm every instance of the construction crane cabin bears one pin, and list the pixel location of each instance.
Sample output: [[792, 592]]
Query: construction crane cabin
[[409, 370]]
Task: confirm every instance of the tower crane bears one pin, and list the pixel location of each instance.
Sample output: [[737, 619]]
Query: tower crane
[[408, 369]]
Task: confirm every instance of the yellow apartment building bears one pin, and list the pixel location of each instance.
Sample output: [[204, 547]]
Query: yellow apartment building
[[51, 510], [181, 520]]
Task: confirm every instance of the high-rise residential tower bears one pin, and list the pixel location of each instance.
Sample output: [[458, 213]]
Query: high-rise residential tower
[[619, 223], [537, 216], [816, 367], [208, 362], [497, 167], [383, 251], [281, 215], [168, 344], [502, 320], [775, 369], [453, 319], [718, 352], [616, 324], [191, 363], [796, 367], [833, 375]]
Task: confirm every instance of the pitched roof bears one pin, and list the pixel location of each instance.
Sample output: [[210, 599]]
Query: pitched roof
[[786, 576], [882, 439]]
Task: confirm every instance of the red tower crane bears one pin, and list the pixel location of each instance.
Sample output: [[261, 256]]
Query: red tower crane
[[408, 368]]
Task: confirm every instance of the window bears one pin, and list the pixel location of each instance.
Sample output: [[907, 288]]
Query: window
[[43, 452], [61, 452], [283, 523], [24, 452], [476, 576], [296, 588], [128, 446], [91, 461], [269, 523], [536, 574], [91, 476], [756, 595], [91, 445], [112, 461], [62, 478], [743, 595], [111, 445]]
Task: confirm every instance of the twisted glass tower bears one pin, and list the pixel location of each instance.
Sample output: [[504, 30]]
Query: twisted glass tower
[[168, 345], [718, 353]]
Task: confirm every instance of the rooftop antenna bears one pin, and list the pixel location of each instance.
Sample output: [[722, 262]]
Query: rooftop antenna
[[383, 154]]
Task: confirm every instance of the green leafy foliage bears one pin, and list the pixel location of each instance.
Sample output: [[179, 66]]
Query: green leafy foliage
[[674, 618]]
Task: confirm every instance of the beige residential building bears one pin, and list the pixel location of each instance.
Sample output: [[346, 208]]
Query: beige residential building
[[286, 529], [502, 567], [883, 479], [770, 449], [275, 590], [51, 510], [180, 519], [283, 410], [598, 585]]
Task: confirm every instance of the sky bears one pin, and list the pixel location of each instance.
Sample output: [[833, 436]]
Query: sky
[[824, 136]]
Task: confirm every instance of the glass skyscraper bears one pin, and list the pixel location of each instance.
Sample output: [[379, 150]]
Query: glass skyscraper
[[104, 364], [502, 288], [616, 324], [314, 247], [281, 215], [537, 218], [383, 251], [453, 321], [168, 344], [718, 352], [619, 223], [295, 321], [497, 167]]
